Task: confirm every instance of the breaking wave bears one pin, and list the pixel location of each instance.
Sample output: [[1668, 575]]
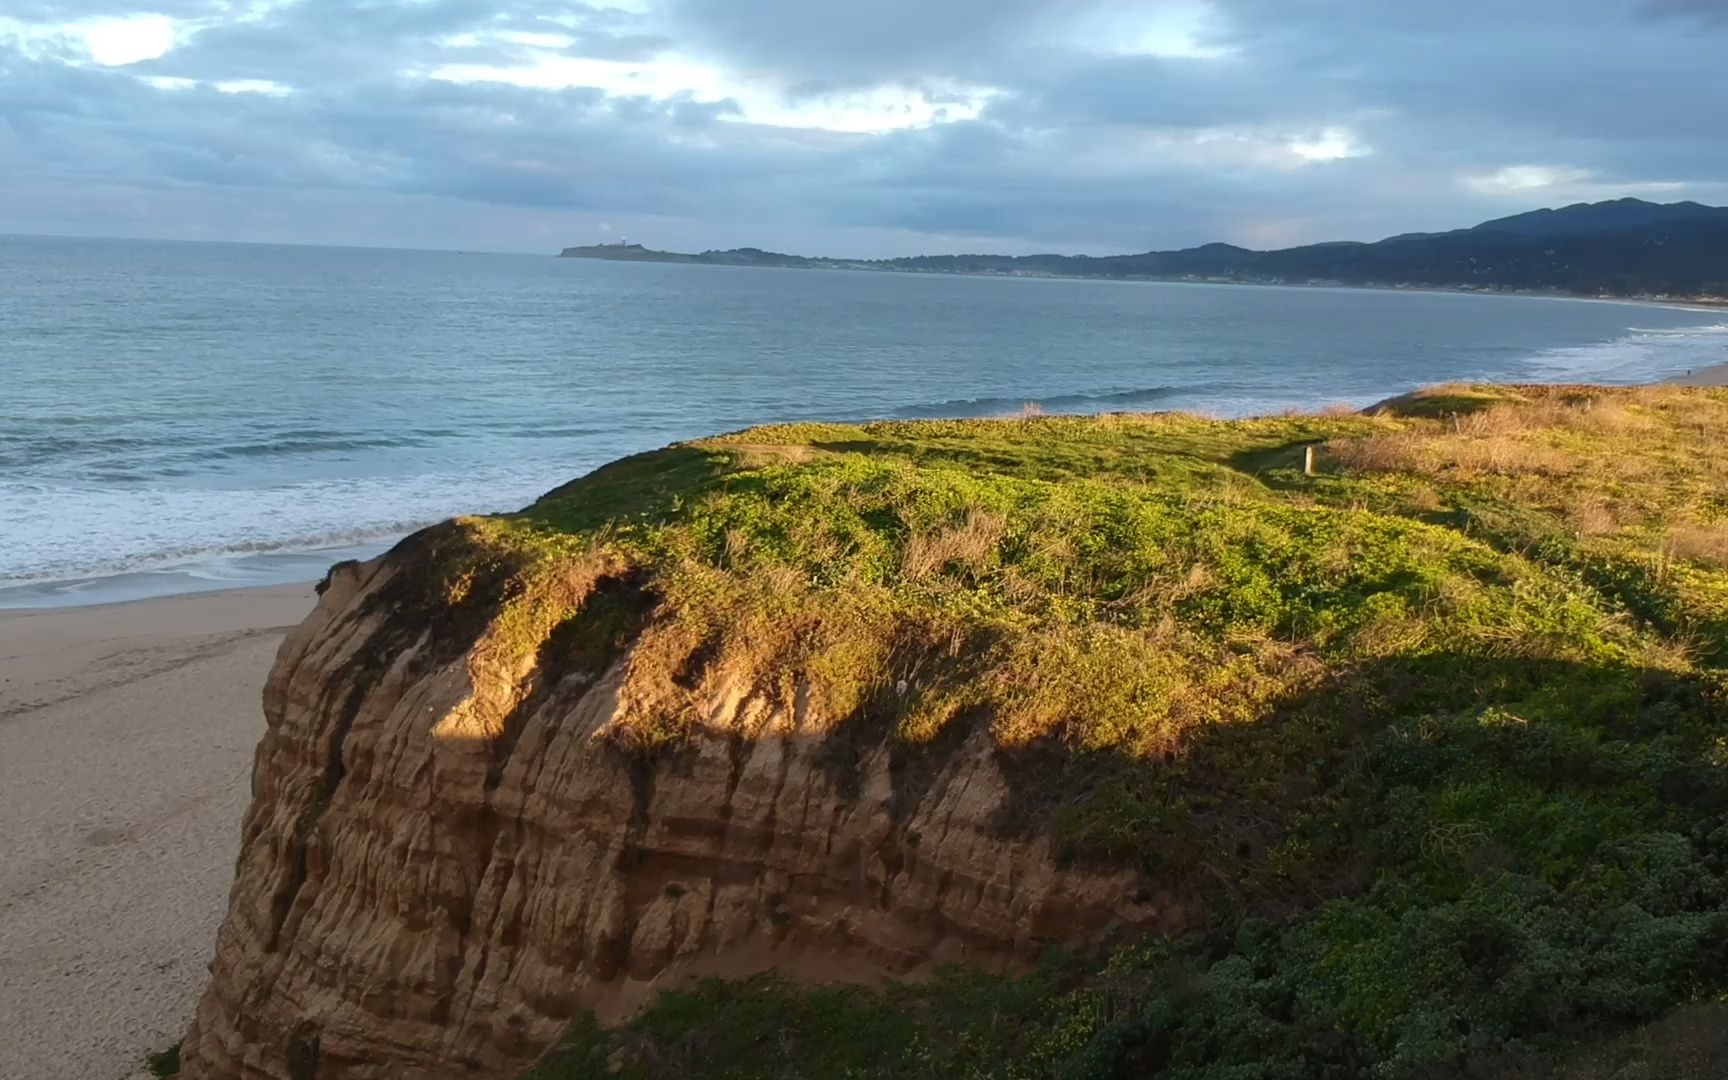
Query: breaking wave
[[1640, 355]]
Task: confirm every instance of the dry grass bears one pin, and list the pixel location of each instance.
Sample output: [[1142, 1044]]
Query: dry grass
[[1596, 415], [1600, 436], [970, 546], [1700, 543], [1453, 456], [1595, 518]]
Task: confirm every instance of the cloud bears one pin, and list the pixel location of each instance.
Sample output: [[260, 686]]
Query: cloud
[[863, 44], [1521, 178], [882, 128]]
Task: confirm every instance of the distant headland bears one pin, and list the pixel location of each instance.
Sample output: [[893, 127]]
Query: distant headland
[[628, 252], [1623, 248]]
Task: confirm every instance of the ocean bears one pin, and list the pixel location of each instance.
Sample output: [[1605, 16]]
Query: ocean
[[179, 416]]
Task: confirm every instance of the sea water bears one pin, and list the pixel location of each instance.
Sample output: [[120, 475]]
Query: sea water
[[177, 415]]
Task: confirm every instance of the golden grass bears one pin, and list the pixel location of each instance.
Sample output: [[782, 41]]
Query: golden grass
[[1700, 543], [1601, 442], [970, 546], [1453, 456], [1595, 518]]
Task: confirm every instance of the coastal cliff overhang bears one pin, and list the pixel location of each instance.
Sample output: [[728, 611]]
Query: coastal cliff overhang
[[854, 701]]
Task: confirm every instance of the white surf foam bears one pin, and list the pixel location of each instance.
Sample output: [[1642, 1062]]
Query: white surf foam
[[1641, 355], [57, 534]]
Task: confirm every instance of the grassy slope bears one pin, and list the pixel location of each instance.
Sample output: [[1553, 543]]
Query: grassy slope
[[1436, 735]]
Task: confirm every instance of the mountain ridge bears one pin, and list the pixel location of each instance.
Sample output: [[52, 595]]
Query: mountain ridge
[[1616, 248]]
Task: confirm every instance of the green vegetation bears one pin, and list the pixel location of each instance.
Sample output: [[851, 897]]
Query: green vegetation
[[1435, 736]]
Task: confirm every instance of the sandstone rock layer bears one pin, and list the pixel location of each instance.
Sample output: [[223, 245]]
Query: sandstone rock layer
[[450, 851]]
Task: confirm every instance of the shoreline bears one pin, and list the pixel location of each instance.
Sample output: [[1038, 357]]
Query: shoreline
[[1713, 375], [221, 573], [291, 566], [1705, 303], [127, 732], [126, 739]]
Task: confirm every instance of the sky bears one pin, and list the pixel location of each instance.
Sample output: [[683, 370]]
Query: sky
[[865, 128]]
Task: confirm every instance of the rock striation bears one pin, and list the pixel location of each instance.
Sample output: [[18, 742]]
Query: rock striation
[[454, 848]]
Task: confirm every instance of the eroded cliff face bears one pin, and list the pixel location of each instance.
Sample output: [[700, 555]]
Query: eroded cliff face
[[452, 849]]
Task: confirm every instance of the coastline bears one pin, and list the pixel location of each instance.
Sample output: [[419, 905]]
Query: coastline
[[126, 740], [1714, 375], [238, 570], [1700, 303], [126, 737]]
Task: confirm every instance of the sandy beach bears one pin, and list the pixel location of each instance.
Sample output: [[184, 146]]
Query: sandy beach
[[126, 735], [1714, 375]]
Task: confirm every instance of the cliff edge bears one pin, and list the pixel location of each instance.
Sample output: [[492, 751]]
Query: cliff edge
[[860, 703], [458, 844]]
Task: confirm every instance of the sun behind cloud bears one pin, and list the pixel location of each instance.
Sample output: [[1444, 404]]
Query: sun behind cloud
[[129, 40]]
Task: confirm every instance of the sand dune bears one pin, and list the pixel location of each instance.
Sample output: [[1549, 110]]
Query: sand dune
[[126, 735]]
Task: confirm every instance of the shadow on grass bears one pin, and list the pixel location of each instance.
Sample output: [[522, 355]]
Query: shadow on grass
[[1286, 458], [1276, 815], [643, 485]]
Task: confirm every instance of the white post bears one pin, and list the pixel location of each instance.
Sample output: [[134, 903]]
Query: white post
[[1309, 464]]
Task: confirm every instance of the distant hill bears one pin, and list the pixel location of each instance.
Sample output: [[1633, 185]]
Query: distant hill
[[1621, 248], [624, 253], [1581, 218]]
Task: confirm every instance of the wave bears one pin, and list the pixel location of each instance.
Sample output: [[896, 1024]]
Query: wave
[[313, 445], [1679, 331], [1056, 403], [130, 457], [198, 560], [28, 448], [60, 530], [136, 452], [529, 431], [1639, 355]]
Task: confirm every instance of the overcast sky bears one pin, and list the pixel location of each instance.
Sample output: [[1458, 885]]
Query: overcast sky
[[870, 127]]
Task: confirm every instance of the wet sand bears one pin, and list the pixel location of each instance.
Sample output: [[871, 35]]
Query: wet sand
[[1714, 375], [126, 738]]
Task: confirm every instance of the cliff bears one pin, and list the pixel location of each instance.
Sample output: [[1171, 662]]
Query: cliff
[[1357, 753], [454, 850]]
